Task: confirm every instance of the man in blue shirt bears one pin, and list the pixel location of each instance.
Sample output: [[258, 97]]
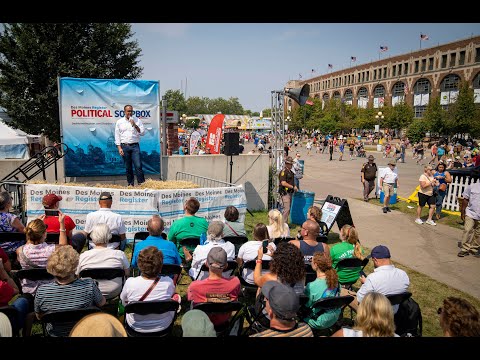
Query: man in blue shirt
[[169, 249]]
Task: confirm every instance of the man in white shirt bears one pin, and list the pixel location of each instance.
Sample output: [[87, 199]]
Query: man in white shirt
[[106, 216], [128, 130], [387, 182]]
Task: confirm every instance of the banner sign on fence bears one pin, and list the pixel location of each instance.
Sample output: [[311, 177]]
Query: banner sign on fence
[[89, 111], [137, 206]]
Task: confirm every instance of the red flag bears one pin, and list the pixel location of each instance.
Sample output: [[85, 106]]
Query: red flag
[[214, 135], [309, 102]]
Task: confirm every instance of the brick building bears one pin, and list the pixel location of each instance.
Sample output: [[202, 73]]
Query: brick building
[[414, 78]]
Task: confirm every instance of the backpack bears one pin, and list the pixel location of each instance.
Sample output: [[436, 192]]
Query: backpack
[[408, 319]]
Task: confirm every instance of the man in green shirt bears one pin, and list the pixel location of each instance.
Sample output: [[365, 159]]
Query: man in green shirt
[[188, 226]]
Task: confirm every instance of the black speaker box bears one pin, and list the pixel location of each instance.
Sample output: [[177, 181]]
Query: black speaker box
[[232, 143]]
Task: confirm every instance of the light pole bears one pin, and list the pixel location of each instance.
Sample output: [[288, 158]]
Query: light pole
[[287, 125], [184, 119], [378, 117]]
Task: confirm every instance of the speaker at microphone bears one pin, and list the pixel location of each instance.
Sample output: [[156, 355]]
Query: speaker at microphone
[[299, 95]]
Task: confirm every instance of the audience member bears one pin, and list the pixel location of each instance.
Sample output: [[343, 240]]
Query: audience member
[[67, 292], [214, 239], [282, 305], [470, 214], [103, 257], [458, 317], [98, 325], [5, 326], [149, 286], [233, 227], [7, 264], [374, 318], [9, 223], [52, 202], [277, 227], [309, 245], [196, 323], [249, 251], [385, 279], [324, 286], [106, 216], [215, 288], [188, 226], [169, 250]]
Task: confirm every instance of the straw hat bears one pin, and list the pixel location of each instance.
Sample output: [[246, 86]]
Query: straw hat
[[98, 325], [5, 326]]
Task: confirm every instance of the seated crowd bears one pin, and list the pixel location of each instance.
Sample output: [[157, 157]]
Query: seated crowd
[[285, 303]]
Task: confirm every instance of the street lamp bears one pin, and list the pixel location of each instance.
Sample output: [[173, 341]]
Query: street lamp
[[184, 118], [379, 115], [287, 123]]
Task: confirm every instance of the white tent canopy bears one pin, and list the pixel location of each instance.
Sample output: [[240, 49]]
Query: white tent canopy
[[14, 142]]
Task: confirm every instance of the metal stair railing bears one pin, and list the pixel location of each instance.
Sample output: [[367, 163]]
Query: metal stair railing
[[38, 163]]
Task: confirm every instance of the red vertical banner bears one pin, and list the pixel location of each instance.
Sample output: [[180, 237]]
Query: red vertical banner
[[214, 136]]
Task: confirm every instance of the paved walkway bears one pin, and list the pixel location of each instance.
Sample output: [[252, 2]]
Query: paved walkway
[[431, 250]]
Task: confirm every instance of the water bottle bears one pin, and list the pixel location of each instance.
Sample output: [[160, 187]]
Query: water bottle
[[203, 238]]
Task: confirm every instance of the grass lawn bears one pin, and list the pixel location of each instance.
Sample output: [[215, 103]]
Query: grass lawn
[[427, 292]]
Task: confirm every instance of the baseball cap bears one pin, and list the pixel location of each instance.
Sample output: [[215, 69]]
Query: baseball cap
[[105, 196], [289, 160], [370, 157], [282, 298], [380, 252], [196, 323], [50, 200], [217, 258]]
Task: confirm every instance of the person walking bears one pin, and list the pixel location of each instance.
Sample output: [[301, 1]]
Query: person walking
[[128, 130], [369, 174], [426, 196], [388, 181], [470, 214], [286, 188], [444, 178]]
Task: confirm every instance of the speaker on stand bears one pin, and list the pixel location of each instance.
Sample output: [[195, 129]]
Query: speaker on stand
[[232, 147]]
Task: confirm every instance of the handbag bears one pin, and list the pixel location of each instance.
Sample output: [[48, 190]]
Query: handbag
[[442, 187]]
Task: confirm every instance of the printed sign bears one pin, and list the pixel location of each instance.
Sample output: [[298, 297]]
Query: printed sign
[[329, 213]]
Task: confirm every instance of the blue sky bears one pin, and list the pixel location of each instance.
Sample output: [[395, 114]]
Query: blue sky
[[248, 61]]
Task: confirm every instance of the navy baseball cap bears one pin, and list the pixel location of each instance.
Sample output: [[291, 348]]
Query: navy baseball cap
[[380, 252]]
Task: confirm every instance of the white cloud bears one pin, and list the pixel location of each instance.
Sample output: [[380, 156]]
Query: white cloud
[[167, 30]]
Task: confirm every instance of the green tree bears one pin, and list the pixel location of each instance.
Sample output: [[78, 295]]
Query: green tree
[[417, 129], [32, 56], [399, 116], [192, 123], [462, 115], [435, 116], [176, 101], [267, 112], [197, 105]]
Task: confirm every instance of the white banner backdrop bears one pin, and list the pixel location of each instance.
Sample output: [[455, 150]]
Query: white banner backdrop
[[476, 95], [362, 102], [137, 206]]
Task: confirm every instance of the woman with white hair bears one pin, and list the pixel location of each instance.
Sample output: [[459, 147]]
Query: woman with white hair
[[214, 238], [103, 257]]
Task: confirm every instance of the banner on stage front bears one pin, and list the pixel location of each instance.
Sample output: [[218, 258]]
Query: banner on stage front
[[137, 206], [89, 109]]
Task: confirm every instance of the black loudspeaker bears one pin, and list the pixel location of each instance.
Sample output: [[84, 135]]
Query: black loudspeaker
[[300, 95], [232, 143]]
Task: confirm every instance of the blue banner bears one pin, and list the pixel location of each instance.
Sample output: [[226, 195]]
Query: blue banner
[[89, 110]]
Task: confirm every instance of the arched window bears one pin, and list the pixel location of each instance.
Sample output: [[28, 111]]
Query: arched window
[[336, 95], [449, 90], [476, 88], [421, 96], [378, 96], [325, 98], [398, 93], [362, 97], [348, 96]]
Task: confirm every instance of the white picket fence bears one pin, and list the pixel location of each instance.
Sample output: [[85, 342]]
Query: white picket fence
[[455, 190]]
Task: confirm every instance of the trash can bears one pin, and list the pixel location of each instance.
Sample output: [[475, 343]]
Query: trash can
[[393, 198], [301, 201], [379, 147]]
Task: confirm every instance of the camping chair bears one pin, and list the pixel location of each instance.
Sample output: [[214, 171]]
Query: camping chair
[[353, 264], [147, 308], [231, 267], [12, 314], [247, 288], [234, 326], [237, 241], [64, 320], [324, 304]]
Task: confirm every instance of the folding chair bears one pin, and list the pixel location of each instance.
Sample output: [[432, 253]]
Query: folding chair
[[237, 241], [173, 271], [247, 288], [323, 305], [140, 235], [13, 237], [232, 327], [278, 240], [231, 266], [104, 274], [397, 299], [148, 308], [354, 265], [64, 320], [52, 238], [12, 315], [310, 274], [35, 274]]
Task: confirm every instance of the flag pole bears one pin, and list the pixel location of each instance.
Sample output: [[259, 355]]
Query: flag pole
[[420, 41]]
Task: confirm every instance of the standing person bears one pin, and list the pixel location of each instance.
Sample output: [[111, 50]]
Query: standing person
[[286, 187], [444, 179], [331, 147], [470, 214], [387, 183], [425, 195], [128, 130], [297, 170], [369, 174], [419, 151]]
